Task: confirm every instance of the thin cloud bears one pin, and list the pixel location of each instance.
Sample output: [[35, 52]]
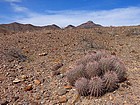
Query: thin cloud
[[114, 17], [18, 8], [12, 1]]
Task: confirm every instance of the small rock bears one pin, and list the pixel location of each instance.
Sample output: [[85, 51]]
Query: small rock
[[57, 66], [96, 100], [37, 82], [68, 87], [114, 92], [43, 101], [61, 75], [128, 83], [16, 80], [23, 77], [125, 102], [63, 99], [28, 88], [37, 97], [124, 85], [2, 77], [62, 91], [110, 97], [113, 53], [42, 54]]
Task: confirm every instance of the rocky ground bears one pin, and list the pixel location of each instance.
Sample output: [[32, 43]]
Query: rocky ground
[[33, 65]]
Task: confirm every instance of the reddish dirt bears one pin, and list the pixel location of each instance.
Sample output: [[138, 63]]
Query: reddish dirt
[[28, 74]]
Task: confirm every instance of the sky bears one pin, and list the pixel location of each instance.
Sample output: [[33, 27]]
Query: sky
[[75, 12]]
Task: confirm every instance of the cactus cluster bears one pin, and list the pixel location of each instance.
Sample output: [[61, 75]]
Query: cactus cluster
[[97, 73]]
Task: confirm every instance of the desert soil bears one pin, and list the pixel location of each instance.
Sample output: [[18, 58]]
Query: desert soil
[[33, 65]]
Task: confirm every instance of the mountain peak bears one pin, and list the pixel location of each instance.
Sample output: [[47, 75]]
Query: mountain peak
[[69, 27], [90, 21], [89, 24]]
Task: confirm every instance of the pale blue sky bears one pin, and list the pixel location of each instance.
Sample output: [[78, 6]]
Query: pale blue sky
[[64, 12]]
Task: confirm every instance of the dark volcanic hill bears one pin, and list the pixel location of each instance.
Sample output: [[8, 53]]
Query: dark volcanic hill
[[70, 27], [53, 26], [19, 27], [15, 27], [89, 24]]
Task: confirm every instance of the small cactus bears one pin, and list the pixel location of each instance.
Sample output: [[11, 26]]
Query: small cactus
[[99, 55], [86, 59], [97, 73], [96, 86], [81, 86], [120, 70], [107, 64], [110, 80], [76, 73], [92, 69]]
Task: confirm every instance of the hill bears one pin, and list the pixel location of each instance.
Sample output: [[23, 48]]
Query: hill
[[16, 27], [88, 25]]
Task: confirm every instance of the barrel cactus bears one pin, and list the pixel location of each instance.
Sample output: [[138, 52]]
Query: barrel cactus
[[97, 73]]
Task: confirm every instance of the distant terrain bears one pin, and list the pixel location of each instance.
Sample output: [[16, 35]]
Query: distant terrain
[[15, 27]]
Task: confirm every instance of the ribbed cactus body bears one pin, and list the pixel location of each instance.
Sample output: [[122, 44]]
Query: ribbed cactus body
[[92, 69], [81, 86], [97, 73], [96, 86], [110, 80]]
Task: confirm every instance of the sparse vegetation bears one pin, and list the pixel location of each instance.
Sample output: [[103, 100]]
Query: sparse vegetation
[[103, 71], [12, 54]]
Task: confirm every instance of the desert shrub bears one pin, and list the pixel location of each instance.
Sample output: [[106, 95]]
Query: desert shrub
[[91, 43], [103, 71], [14, 54]]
